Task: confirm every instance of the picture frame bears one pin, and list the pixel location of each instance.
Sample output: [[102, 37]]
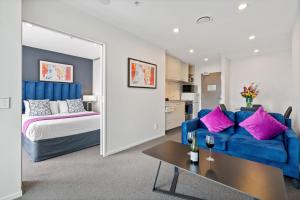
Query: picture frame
[[142, 74], [55, 72]]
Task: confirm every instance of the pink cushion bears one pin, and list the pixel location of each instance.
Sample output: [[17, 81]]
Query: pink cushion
[[262, 125], [216, 121]]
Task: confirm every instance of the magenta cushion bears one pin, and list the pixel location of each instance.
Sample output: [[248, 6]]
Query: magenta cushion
[[216, 121], [262, 125]]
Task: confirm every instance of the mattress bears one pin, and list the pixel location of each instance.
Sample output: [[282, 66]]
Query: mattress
[[66, 124]]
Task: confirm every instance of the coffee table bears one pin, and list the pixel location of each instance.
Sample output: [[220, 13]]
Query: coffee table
[[254, 179]]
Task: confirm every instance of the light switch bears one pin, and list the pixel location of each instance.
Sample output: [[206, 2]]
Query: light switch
[[4, 102]]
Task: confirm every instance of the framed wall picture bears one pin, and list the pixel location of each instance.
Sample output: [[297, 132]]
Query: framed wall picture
[[56, 72], [141, 74]]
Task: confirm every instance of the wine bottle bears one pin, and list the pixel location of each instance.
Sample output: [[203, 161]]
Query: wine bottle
[[194, 151]]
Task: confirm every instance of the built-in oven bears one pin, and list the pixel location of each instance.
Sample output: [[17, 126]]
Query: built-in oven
[[189, 89]]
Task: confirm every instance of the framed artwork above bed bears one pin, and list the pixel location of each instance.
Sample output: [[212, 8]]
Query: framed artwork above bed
[[55, 72]]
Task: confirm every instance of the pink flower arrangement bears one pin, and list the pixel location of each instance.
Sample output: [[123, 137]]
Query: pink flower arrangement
[[251, 91]]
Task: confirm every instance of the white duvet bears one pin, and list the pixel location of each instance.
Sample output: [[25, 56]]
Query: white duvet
[[55, 128]]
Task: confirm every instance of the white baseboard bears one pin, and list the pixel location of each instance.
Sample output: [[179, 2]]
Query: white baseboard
[[12, 196], [132, 145]]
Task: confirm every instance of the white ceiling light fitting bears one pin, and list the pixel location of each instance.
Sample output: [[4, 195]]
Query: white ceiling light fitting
[[176, 30], [256, 50], [191, 50], [243, 6], [205, 59], [204, 19], [252, 37]]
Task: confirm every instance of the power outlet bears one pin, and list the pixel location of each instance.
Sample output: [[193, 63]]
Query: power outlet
[[155, 126]]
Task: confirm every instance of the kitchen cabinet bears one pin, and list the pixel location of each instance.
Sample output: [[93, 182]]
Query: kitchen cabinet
[[184, 72], [176, 70], [173, 68], [175, 114]]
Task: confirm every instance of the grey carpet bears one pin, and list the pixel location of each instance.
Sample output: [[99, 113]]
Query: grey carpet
[[128, 175]]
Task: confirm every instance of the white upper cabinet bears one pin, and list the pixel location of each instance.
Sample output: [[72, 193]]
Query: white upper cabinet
[[176, 70]]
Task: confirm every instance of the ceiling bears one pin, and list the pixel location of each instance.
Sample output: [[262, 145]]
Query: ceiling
[[38, 37], [153, 20]]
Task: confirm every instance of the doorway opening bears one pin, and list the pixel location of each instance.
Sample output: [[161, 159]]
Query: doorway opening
[[63, 93]]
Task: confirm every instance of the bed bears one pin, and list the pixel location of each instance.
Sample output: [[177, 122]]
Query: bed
[[45, 137]]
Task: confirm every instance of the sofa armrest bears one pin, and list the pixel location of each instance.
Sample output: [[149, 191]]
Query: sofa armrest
[[187, 126], [291, 142]]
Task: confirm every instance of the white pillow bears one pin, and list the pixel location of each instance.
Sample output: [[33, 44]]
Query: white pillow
[[27, 107], [63, 106], [54, 107]]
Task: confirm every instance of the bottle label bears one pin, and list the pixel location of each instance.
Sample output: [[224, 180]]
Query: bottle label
[[194, 156]]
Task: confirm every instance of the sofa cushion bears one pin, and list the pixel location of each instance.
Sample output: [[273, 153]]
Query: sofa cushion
[[229, 114], [216, 121], [272, 150], [220, 138], [242, 131], [262, 125]]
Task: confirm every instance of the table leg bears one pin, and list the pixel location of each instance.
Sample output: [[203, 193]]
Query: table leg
[[175, 179], [173, 185], [154, 186]]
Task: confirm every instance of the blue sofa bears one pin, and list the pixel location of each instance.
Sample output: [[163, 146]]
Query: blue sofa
[[282, 151]]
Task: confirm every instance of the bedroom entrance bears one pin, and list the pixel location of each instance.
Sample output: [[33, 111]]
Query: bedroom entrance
[[63, 92]]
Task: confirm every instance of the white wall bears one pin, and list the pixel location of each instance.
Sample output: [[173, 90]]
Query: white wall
[[97, 84], [131, 113], [271, 71], [296, 72], [225, 80], [10, 86]]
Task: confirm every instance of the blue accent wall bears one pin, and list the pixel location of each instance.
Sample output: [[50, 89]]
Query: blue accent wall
[[83, 68]]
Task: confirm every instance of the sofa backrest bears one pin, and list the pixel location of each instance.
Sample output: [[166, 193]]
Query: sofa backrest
[[242, 115], [229, 114]]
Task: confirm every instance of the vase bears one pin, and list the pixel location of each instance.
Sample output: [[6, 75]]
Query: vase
[[249, 101]]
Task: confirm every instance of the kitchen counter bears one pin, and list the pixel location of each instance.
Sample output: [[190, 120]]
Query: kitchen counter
[[175, 113]]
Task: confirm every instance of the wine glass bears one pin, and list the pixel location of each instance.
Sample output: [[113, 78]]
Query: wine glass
[[190, 136], [210, 142]]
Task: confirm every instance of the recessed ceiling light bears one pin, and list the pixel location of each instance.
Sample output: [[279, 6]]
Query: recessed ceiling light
[[192, 51], [176, 30], [28, 24], [243, 6], [205, 59], [95, 44], [256, 50], [252, 37]]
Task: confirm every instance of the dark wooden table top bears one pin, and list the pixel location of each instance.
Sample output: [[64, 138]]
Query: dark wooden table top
[[255, 179]]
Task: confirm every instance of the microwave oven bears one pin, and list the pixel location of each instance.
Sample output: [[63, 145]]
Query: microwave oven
[[189, 89]]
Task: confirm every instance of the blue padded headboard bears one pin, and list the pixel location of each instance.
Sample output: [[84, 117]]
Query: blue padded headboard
[[50, 90]]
